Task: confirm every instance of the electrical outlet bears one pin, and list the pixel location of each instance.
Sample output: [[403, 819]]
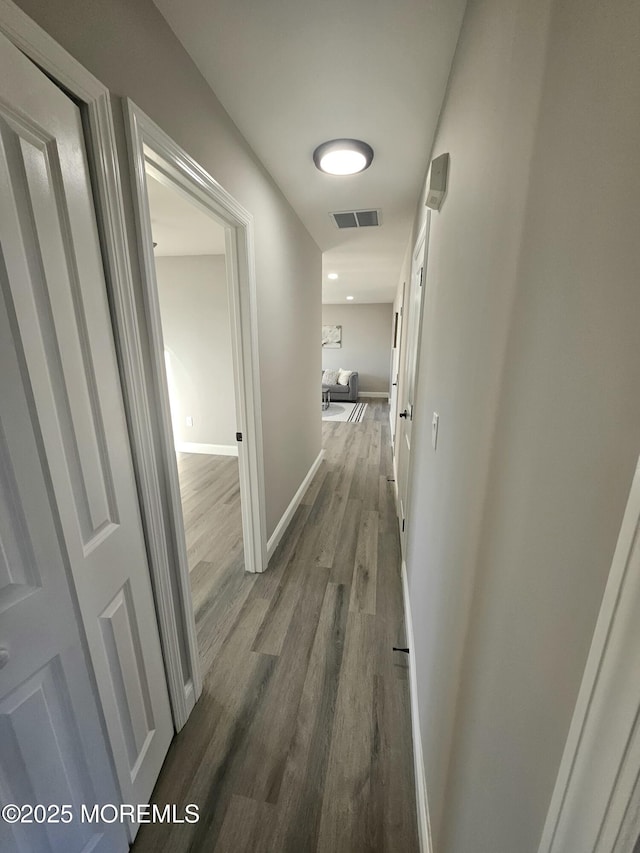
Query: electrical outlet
[[434, 429], [189, 421]]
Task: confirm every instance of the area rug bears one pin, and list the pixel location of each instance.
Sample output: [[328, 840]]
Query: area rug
[[349, 412]]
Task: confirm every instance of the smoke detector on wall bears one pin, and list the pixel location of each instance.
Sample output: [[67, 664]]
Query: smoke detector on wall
[[437, 182], [356, 218]]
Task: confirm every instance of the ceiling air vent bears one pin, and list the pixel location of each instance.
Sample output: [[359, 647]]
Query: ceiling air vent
[[356, 218]]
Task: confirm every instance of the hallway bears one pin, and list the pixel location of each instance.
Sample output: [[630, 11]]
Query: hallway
[[301, 740]]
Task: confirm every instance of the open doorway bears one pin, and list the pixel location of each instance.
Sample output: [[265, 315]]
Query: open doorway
[[184, 534], [191, 277]]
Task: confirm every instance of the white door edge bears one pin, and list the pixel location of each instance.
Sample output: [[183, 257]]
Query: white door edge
[[411, 338], [594, 806], [422, 802]]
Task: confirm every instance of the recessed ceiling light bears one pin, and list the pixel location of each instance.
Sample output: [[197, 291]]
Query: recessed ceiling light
[[343, 156], [333, 275], [349, 298]]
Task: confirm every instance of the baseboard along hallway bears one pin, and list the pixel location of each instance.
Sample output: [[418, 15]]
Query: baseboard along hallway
[[301, 740]]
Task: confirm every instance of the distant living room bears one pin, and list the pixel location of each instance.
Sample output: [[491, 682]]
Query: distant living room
[[356, 358]]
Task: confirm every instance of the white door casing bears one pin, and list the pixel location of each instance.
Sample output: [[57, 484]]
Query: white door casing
[[53, 273], [595, 807], [408, 384], [152, 150], [395, 371]]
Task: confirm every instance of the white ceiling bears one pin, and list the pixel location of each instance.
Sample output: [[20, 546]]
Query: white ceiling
[[294, 73], [178, 226]]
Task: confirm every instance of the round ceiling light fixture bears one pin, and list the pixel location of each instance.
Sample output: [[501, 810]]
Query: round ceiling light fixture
[[343, 156], [333, 276], [349, 298]]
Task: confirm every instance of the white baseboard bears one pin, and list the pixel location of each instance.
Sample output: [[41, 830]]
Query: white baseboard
[[382, 394], [422, 805], [211, 449], [288, 514]]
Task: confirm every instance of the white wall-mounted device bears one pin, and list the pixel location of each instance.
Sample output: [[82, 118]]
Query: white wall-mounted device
[[435, 420], [437, 186]]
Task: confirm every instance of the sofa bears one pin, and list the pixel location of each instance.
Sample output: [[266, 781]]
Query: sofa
[[344, 392]]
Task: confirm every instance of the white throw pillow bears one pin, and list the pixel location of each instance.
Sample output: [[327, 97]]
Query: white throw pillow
[[330, 377], [344, 376]]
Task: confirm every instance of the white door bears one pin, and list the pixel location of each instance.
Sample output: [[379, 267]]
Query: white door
[[54, 294], [408, 382], [395, 369], [52, 748]]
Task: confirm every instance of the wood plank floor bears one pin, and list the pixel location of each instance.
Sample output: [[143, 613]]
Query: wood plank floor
[[210, 492], [301, 740]]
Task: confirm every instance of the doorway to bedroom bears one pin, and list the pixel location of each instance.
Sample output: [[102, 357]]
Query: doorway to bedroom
[[193, 299]]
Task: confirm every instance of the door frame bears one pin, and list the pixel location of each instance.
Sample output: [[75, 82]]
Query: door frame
[[94, 100], [396, 361], [150, 146], [595, 806], [410, 360]]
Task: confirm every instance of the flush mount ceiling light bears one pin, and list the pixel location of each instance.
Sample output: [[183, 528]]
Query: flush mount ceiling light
[[343, 156], [349, 298], [333, 276]]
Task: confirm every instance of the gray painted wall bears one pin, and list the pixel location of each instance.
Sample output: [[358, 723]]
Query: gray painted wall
[[366, 342], [530, 355], [197, 334], [131, 49]]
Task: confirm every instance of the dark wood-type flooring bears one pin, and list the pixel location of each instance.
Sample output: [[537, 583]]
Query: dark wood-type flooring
[[301, 740], [210, 492]]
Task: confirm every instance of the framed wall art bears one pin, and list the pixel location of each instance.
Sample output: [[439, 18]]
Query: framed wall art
[[331, 337]]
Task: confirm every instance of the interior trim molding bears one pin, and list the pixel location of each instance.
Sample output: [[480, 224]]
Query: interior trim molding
[[383, 395], [150, 148], [422, 804], [595, 806], [42, 49], [95, 102], [208, 449], [396, 493], [289, 512]]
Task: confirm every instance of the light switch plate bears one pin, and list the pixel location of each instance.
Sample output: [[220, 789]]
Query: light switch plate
[[189, 421], [434, 429]]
